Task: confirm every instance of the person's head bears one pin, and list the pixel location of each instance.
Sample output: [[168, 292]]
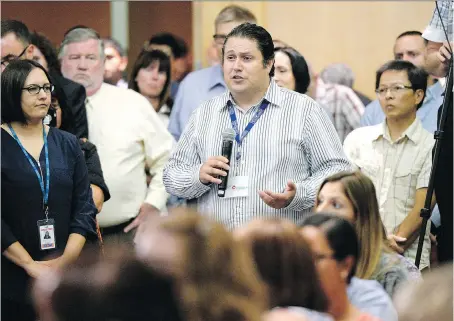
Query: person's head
[[177, 49], [291, 70], [229, 18], [248, 59], [82, 58], [45, 53], [400, 88], [26, 92], [115, 286], [150, 75], [335, 249], [338, 73], [410, 46], [218, 278], [352, 195], [15, 42], [116, 61], [284, 261]]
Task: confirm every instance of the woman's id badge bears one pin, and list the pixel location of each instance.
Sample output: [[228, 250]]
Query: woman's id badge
[[46, 230]]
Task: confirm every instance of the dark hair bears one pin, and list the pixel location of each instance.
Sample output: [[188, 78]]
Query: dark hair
[[260, 36], [284, 261], [145, 59], [110, 42], [416, 75], [67, 117], [300, 69], [19, 29], [115, 287], [177, 45], [341, 236], [48, 50], [409, 33], [13, 80]]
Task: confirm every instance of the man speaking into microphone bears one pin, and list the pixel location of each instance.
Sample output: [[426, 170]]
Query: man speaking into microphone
[[284, 143]]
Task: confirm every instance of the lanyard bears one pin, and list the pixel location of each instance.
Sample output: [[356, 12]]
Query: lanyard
[[239, 139], [44, 190]]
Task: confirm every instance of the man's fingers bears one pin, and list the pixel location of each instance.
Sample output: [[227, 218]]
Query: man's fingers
[[218, 164], [211, 179], [266, 198], [216, 172], [131, 226], [291, 186]]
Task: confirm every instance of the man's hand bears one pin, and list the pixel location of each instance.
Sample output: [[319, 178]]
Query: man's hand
[[146, 210], [279, 200], [396, 243], [35, 269], [213, 168], [444, 53]]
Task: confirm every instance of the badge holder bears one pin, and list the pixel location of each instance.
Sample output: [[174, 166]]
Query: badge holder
[[46, 229]]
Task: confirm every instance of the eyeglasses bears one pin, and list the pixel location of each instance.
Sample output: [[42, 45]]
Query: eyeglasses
[[6, 61], [219, 39], [396, 89], [35, 89]]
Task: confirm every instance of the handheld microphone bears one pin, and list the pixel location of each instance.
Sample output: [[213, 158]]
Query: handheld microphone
[[228, 136]]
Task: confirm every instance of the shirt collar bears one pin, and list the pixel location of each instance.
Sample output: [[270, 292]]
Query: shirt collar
[[414, 132], [216, 77], [273, 95]]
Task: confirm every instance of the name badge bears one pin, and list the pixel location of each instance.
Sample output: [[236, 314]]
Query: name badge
[[46, 230], [237, 186]]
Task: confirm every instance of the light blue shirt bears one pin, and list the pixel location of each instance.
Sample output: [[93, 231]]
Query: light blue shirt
[[197, 87], [370, 297], [427, 113]]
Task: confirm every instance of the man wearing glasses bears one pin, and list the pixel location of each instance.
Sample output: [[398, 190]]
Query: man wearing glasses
[[204, 84], [15, 43], [397, 155]]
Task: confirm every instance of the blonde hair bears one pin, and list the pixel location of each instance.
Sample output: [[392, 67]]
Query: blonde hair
[[234, 13], [360, 190], [219, 281]]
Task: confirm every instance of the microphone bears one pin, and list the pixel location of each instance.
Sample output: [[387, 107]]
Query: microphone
[[228, 136]]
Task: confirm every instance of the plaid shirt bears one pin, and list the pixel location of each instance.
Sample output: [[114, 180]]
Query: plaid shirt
[[343, 106], [434, 31], [397, 170]]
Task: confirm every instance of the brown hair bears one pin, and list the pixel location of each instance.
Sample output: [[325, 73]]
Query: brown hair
[[219, 281], [234, 13], [284, 260], [360, 190]]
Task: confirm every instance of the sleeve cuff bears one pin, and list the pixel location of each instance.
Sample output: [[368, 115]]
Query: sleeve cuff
[[157, 199], [299, 201]]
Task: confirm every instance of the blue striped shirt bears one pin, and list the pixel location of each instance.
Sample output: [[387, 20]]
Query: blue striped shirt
[[293, 140]]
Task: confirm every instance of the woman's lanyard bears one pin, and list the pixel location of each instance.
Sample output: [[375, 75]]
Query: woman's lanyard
[[44, 189]]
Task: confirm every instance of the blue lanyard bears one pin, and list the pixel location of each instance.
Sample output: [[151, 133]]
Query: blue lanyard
[[239, 139], [45, 190]]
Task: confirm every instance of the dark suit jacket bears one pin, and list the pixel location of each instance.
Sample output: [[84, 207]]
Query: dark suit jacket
[[76, 96]]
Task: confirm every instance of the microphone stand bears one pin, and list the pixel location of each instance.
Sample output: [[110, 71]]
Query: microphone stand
[[425, 212]]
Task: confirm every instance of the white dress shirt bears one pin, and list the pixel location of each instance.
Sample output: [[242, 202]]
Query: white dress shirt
[[397, 170], [293, 140], [128, 135]]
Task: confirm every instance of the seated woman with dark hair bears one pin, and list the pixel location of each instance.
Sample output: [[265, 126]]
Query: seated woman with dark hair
[[284, 262], [335, 250], [291, 70], [352, 196], [45, 188], [151, 76]]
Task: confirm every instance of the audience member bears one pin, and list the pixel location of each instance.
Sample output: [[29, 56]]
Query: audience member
[[342, 74], [284, 261], [15, 35], [285, 167], [335, 250], [291, 70], [150, 77], [128, 134], [202, 85], [352, 196], [396, 155], [33, 156], [114, 286], [410, 46], [115, 63], [217, 277]]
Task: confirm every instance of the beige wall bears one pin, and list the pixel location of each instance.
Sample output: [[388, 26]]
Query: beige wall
[[360, 34]]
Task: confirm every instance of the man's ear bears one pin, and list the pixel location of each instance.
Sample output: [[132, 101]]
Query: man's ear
[[346, 265], [29, 52], [419, 96], [123, 64]]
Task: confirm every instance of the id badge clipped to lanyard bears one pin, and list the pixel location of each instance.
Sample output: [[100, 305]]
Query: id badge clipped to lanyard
[[46, 227]]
